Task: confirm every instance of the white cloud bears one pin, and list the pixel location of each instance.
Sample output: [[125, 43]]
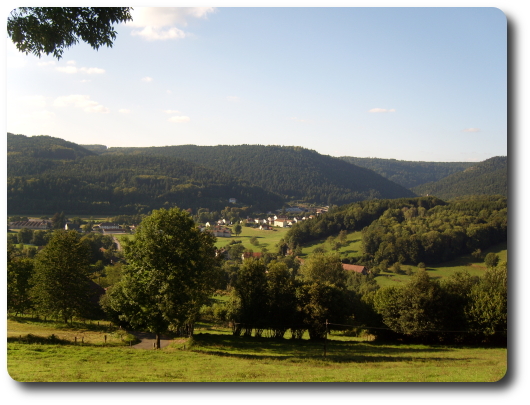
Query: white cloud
[[159, 34], [43, 115], [179, 119], [159, 23], [124, 111], [67, 69], [381, 110], [46, 63], [472, 130], [92, 71], [80, 101], [71, 69], [147, 79], [233, 99], [172, 112]]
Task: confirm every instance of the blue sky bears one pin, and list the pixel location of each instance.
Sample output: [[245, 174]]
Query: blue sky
[[407, 83]]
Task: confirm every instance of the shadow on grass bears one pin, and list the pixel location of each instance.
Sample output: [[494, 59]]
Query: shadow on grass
[[305, 350], [94, 326]]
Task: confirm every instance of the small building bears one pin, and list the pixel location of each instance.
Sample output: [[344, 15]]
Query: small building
[[232, 200], [355, 268], [30, 225], [72, 227], [281, 222], [247, 255], [221, 232], [264, 227]]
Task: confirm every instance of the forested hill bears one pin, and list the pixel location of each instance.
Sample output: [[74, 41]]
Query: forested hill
[[119, 184], [295, 173], [44, 146], [485, 178], [407, 173]]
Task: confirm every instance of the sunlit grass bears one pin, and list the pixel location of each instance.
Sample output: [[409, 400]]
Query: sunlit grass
[[214, 355]]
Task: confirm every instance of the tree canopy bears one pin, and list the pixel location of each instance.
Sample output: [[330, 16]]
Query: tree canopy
[[50, 30], [170, 274]]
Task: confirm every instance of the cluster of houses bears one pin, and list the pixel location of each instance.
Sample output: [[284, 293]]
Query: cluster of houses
[[42, 224], [220, 229]]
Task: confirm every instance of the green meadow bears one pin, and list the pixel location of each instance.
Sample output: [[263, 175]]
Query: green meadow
[[214, 355]]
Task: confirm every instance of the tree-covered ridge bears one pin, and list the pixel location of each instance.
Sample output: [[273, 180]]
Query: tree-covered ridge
[[489, 177], [293, 172], [407, 173], [43, 146], [127, 185], [424, 229], [438, 234]]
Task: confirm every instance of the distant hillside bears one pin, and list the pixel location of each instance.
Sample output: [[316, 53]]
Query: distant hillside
[[95, 148], [119, 184], [409, 174], [44, 146], [295, 173], [485, 178]]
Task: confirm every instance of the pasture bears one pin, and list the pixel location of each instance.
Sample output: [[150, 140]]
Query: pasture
[[214, 355]]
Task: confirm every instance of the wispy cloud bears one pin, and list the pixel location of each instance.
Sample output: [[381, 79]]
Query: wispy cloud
[[172, 111], [124, 111], [80, 101], [179, 119], [158, 24], [72, 69], [233, 99], [147, 79], [46, 63], [472, 130], [381, 110]]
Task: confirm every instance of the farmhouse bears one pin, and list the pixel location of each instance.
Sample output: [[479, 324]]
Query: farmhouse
[[281, 222], [355, 268], [248, 255], [110, 227], [221, 232], [30, 225]]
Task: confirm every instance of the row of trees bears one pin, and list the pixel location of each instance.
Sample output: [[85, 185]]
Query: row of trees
[[273, 298]]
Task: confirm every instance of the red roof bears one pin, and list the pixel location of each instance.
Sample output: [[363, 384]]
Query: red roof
[[354, 267]]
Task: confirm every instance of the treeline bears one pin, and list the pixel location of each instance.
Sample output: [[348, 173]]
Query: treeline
[[409, 174], [59, 280], [412, 235], [489, 177], [45, 147], [424, 229], [293, 172], [271, 299], [126, 184], [352, 217]]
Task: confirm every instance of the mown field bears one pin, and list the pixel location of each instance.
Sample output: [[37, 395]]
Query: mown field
[[214, 355]]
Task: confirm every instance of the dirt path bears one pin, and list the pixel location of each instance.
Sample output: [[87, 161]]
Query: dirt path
[[148, 340]]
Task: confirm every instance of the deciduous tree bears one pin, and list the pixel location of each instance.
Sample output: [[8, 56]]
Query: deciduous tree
[[50, 30], [61, 280], [171, 272]]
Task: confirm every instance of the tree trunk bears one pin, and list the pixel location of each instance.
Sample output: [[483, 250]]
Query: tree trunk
[[157, 341]]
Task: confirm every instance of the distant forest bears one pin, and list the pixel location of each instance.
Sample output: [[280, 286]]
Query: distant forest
[[47, 175], [409, 174]]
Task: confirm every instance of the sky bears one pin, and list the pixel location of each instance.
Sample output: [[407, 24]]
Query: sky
[[420, 84]]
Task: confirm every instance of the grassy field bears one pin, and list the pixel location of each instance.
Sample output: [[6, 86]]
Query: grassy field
[[267, 239], [463, 263], [214, 355]]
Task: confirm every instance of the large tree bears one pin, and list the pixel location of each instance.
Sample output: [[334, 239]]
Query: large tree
[[50, 30], [61, 279], [171, 272]]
